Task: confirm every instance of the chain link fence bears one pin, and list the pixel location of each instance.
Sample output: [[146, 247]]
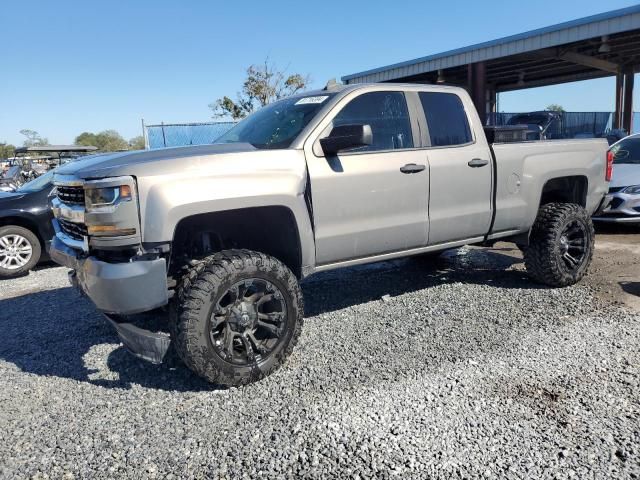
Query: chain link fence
[[571, 125], [181, 134]]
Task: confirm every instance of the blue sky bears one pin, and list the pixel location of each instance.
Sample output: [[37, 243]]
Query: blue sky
[[70, 66]]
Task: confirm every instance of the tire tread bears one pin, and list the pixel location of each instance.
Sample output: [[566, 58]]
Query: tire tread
[[195, 290], [541, 262]]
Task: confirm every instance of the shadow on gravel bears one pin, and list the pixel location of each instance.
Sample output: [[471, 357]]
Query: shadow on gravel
[[335, 290], [49, 333], [43, 265], [616, 228]]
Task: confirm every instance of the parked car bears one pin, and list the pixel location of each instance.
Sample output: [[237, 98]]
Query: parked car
[[25, 226], [328, 179], [622, 204]]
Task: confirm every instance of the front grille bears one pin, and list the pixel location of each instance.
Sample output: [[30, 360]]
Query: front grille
[[76, 231], [71, 195]]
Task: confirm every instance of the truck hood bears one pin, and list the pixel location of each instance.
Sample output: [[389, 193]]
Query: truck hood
[[625, 174], [142, 162]]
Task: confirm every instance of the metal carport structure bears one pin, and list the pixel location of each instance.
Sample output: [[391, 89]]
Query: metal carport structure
[[603, 45]]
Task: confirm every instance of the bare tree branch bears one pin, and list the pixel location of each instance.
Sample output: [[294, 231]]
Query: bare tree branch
[[264, 84]]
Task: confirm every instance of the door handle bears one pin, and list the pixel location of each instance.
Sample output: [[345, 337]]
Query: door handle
[[478, 162], [412, 168]]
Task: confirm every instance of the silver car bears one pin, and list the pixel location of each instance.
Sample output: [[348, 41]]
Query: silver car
[[622, 204]]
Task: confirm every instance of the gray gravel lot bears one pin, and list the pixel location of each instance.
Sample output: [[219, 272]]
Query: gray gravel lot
[[466, 370]]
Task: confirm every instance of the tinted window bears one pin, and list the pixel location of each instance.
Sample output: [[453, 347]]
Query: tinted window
[[386, 113], [446, 119], [627, 151]]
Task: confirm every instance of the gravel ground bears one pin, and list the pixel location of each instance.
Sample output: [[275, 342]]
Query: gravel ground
[[465, 370]]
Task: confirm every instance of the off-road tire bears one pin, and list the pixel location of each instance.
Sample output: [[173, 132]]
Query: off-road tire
[[543, 256], [197, 293], [36, 250]]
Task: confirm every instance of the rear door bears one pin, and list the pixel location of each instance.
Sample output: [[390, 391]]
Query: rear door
[[365, 201], [460, 170]]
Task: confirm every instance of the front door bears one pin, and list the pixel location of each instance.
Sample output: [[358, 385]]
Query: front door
[[374, 199]]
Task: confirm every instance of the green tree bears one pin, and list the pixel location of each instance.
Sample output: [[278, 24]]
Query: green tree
[[7, 150], [33, 138], [136, 143], [264, 84], [106, 141], [87, 139], [554, 107]]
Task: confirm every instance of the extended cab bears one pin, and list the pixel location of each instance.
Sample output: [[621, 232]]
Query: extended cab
[[222, 234]]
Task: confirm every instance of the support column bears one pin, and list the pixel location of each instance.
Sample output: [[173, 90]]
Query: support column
[[617, 116], [479, 89], [492, 100], [627, 113]]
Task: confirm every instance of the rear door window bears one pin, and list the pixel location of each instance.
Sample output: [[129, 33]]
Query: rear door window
[[447, 121], [388, 116]]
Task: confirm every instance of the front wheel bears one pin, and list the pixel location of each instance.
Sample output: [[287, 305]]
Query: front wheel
[[19, 251], [237, 317], [560, 245]]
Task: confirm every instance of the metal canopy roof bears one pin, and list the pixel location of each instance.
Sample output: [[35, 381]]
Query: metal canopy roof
[[560, 53], [57, 148]]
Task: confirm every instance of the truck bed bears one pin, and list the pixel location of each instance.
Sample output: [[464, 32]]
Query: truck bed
[[523, 168]]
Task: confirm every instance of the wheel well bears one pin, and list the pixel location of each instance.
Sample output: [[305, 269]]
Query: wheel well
[[22, 222], [565, 190], [271, 230]]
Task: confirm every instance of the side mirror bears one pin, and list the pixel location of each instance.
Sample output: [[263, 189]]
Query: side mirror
[[346, 137]]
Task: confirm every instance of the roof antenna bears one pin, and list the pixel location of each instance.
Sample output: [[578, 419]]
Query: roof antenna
[[331, 84]]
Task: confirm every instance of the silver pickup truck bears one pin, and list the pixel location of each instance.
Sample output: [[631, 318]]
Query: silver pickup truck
[[221, 234]]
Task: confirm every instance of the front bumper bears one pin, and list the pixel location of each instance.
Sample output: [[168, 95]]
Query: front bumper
[[620, 207], [115, 288]]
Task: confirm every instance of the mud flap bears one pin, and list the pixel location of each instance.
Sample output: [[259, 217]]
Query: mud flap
[[141, 343]]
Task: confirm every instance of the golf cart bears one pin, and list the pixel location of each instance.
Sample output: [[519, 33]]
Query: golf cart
[[31, 162]]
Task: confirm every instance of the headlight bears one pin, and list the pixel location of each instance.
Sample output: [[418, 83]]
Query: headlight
[[111, 207], [633, 190], [106, 196]]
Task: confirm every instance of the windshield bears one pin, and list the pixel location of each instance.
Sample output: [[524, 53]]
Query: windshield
[[627, 151], [276, 125], [36, 184]]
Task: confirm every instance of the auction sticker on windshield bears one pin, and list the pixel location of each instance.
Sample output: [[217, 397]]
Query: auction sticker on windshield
[[307, 100]]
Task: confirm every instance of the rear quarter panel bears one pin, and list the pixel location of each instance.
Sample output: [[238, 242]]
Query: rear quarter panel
[[524, 168]]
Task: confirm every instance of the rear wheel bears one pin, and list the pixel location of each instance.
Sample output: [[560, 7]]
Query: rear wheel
[[238, 316], [560, 245], [19, 251]]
